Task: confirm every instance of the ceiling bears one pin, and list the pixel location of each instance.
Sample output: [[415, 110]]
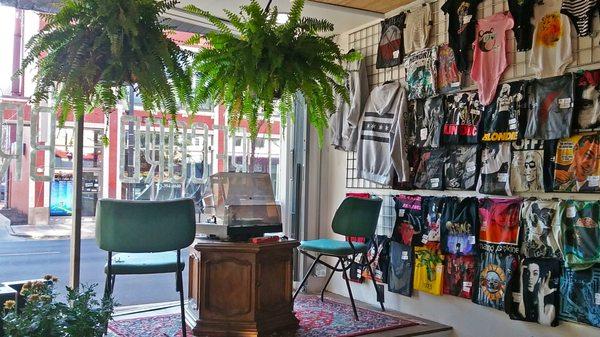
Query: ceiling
[[343, 18], [378, 6]]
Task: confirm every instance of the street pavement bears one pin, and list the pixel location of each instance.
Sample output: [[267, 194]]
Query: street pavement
[[22, 259]]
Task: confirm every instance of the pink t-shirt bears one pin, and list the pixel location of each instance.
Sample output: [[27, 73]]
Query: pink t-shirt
[[489, 54]]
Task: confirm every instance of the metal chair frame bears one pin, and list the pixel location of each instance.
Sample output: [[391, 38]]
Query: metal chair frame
[[343, 259], [109, 286]]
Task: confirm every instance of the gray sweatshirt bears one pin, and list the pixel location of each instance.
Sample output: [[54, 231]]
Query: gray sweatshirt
[[381, 149], [344, 122]]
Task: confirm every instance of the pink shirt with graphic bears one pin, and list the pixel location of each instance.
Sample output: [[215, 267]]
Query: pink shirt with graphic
[[489, 54]]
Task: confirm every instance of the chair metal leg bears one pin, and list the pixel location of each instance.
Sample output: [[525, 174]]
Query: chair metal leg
[[329, 279], [312, 266], [108, 287], [179, 279], [375, 284], [349, 289]]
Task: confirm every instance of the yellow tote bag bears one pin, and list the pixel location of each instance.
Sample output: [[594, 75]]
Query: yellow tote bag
[[429, 270]]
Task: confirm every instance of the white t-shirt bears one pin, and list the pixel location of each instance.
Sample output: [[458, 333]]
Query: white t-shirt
[[552, 50], [416, 28]]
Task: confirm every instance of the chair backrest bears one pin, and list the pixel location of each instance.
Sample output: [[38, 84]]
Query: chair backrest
[[357, 217], [145, 226]]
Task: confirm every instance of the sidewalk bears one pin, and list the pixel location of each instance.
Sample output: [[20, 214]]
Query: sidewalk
[[58, 228]]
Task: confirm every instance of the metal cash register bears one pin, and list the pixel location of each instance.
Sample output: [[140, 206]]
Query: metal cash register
[[240, 206]]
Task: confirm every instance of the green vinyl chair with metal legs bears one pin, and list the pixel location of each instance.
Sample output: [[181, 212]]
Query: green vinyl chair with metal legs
[[145, 237], [354, 217]]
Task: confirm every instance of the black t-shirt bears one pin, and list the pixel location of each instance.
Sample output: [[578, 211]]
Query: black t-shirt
[[378, 253], [522, 12], [460, 225], [413, 156], [430, 173], [533, 293], [462, 118], [551, 107], [579, 296], [429, 128], [586, 116], [493, 272], [495, 169], [408, 228], [432, 212], [460, 168], [462, 16], [390, 51], [411, 122], [504, 117], [549, 163], [400, 274]]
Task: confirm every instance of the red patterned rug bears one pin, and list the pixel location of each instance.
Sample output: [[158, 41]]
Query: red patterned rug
[[317, 319]]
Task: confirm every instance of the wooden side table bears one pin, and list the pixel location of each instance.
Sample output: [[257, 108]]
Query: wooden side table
[[240, 289]]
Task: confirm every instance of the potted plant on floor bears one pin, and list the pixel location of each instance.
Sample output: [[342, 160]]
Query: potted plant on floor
[[90, 51], [43, 315], [259, 64]]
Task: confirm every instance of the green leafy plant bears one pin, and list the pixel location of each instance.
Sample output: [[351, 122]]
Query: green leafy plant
[[430, 260], [261, 63], [44, 316], [91, 50]]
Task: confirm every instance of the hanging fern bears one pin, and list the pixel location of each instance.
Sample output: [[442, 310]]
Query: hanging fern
[[91, 50], [270, 62]]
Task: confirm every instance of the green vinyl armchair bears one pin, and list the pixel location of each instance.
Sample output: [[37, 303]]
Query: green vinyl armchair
[[145, 237], [354, 217]]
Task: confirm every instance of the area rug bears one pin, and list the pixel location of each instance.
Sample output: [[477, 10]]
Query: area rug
[[317, 319]]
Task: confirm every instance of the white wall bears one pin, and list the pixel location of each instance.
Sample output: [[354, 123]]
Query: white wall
[[467, 319]]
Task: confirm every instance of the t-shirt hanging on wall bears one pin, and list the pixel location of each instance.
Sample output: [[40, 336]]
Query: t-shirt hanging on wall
[[429, 270], [577, 166], [527, 166], [408, 228], [522, 12], [400, 275], [411, 121], [500, 225], [429, 129], [462, 15], [579, 299], [551, 101], [390, 51], [587, 102], [549, 163], [540, 233], [421, 73], [551, 52], [462, 117], [460, 168], [489, 55], [413, 157], [495, 169], [460, 224], [503, 118], [493, 272], [533, 294], [448, 79], [432, 211], [430, 173], [378, 253], [417, 28], [459, 275], [580, 229]]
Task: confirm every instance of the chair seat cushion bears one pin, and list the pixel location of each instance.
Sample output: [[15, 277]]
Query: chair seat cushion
[[144, 263], [332, 247]]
